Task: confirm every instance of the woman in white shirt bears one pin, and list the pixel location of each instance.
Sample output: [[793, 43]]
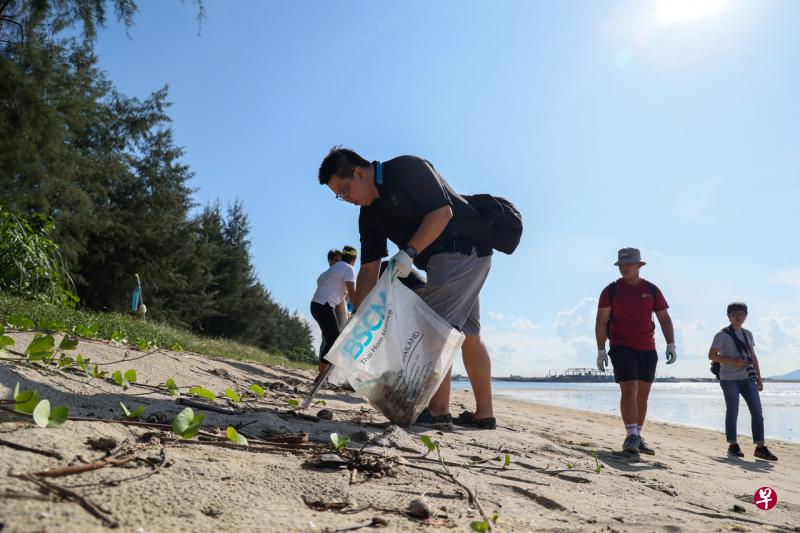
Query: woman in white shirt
[[333, 285]]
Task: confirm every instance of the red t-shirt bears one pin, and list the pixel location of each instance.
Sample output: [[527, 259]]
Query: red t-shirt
[[632, 314]]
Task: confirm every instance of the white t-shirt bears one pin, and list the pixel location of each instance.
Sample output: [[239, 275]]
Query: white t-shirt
[[331, 288]]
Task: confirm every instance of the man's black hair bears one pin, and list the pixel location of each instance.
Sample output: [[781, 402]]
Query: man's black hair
[[736, 306], [340, 161], [334, 253], [349, 254]]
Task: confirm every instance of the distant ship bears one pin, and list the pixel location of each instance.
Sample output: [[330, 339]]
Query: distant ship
[[570, 375]]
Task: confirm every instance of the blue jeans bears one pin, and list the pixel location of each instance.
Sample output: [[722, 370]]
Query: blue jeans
[[731, 389]]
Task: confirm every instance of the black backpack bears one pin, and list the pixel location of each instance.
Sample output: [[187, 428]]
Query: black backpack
[[499, 225], [611, 291]]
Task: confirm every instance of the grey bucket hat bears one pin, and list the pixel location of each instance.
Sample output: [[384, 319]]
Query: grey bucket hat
[[629, 256]]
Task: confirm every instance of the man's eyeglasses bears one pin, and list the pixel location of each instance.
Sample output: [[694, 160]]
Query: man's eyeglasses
[[346, 190]]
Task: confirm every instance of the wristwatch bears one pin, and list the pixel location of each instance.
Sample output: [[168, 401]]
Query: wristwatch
[[411, 251]]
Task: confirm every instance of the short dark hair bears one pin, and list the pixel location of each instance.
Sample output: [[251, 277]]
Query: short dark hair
[[340, 161], [334, 253], [736, 306], [349, 254]]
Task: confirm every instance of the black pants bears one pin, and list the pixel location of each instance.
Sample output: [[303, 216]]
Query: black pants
[[325, 316]]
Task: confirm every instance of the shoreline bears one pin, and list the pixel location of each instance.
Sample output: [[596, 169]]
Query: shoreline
[[564, 473]]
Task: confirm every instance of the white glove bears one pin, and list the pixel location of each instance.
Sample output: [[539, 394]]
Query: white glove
[[672, 354], [602, 360], [402, 264]]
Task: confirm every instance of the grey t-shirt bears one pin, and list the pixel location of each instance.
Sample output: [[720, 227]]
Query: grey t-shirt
[[727, 348]]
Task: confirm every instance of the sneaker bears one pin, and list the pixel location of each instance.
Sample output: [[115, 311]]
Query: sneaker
[[644, 448], [631, 444], [425, 418], [763, 453], [467, 419], [735, 451]]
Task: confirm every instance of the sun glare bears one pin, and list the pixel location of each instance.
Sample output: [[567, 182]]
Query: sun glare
[[673, 12]]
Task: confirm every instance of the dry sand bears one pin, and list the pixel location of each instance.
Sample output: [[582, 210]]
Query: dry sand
[[550, 485]]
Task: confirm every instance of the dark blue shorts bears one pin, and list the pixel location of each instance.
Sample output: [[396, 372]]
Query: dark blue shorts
[[633, 365]]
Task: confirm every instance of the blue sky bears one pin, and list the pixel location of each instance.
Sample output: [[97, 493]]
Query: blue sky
[[672, 126]]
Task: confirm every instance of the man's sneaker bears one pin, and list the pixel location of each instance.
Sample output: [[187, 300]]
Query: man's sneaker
[[467, 419], [441, 421], [631, 444], [735, 451], [644, 448], [763, 453]]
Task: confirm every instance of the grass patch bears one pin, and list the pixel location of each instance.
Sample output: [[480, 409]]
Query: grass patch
[[154, 333]]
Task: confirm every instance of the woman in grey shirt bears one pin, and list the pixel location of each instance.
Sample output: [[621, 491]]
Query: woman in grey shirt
[[739, 374]]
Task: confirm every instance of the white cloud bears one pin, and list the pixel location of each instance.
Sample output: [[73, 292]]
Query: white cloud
[[523, 324], [578, 321], [494, 315], [788, 277]]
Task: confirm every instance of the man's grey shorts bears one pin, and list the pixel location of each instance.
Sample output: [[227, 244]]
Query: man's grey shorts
[[454, 285]]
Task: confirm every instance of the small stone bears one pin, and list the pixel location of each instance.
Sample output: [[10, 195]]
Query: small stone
[[102, 443], [420, 508], [325, 414], [379, 521]]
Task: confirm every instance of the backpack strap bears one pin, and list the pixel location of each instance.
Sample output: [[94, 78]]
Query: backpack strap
[[742, 347]]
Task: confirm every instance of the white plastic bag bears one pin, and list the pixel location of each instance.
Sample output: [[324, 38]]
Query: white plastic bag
[[395, 350]]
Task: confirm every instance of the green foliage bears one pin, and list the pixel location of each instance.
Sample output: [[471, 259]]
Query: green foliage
[[232, 395], [429, 443], [187, 424], [40, 348], [6, 341], [123, 380], [255, 388], [507, 461], [339, 441], [172, 388], [118, 338], [235, 437], [136, 413], [25, 401], [293, 403], [479, 525], [101, 325], [68, 343], [47, 419], [200, 392], [65, 362], [30, 262], [321, 403], [598, 466]]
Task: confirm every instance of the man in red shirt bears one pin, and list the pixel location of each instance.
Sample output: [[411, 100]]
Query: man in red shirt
[[624, 313]]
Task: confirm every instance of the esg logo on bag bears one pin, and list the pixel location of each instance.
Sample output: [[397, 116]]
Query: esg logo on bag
[[361, 335]]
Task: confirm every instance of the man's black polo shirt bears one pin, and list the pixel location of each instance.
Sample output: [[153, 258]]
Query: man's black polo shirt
[[409, 188]]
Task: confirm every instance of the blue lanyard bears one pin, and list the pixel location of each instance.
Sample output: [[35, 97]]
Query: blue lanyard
[[379, 173]]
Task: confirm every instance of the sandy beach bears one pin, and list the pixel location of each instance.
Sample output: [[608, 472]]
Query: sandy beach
[[566, 472]]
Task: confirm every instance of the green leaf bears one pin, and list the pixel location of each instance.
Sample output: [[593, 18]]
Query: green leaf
[[320, 402], [2, 329], [136, 413], [65, 362], [495, 516], [429, 443], [118, 338], [175, 347], [141, 344], [130, 375], [41, 348], [257, 390], [87, 331], [25, 401], [120, 380], [6, 341], [232, 396], [19, 321], [339, 442], [479, 525], [172, 388], [41, 415], [507, 461], [202, 393], [68, 343], [83, 364], [52, 325], [97, 373], [186, 424], [570, 465], [59, 415], [293, 403], [235, 437]]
